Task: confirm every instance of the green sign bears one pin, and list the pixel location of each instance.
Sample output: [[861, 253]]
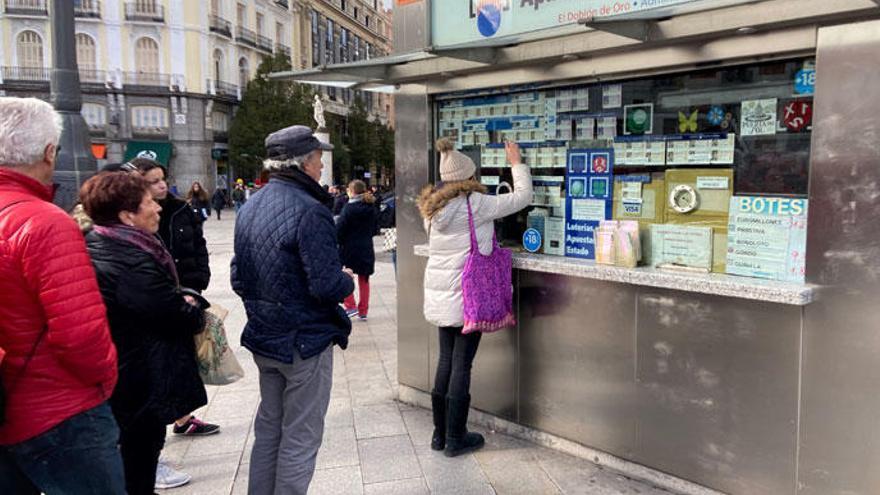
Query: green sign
[[158, 151]]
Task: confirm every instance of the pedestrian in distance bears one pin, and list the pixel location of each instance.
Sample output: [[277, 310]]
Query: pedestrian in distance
[[198, 199], [355, 229], [286, 270], [180, 229], [238, 195], [152, 320], [218, 200], [445, 210], [57, 360], [339, 200]]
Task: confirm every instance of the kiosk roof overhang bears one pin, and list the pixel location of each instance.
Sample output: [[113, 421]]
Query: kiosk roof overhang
[[685, 24]]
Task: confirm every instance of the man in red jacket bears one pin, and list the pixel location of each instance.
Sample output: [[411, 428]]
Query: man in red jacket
[[59, 435]]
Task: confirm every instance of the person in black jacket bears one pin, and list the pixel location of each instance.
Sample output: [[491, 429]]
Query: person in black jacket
[[198, 199], [355, 228], [218, 200], [151, 321], [287, 272], [181, 231]]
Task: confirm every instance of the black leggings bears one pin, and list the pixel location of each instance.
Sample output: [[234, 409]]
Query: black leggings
[[457, 353]]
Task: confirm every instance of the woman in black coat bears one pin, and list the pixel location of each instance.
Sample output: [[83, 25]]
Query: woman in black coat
[[218, 201], [355, 229], [151, 321]]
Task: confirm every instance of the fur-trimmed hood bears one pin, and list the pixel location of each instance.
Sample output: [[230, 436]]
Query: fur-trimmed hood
[[432, 199]]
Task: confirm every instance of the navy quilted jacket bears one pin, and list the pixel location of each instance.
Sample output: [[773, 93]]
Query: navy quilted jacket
[[287, 271]]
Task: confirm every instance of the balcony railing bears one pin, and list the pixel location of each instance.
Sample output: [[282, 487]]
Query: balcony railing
[[27, 7], [37, 74], [92, 76], [147, 79], [90, 9], [264, 43], [144, 11], [220, 25], [282, 49], [245, 36], [221, 88], [282, 3]]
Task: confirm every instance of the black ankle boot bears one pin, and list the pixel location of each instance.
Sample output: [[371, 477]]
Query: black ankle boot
[[438, 408], [458, 439]]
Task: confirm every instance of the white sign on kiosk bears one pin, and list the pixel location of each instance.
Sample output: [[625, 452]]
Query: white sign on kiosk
[[460, 22]]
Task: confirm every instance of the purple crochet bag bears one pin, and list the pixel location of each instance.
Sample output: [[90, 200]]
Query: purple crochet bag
[[486, 286]]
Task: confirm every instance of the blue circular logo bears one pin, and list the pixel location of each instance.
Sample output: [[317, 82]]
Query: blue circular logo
[[488, 19], [532, 240]]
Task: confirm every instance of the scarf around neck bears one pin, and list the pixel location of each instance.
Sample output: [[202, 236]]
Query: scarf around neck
[[311, 186], [143, 241]]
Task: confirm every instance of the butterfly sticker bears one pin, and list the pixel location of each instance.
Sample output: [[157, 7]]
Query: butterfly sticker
[[688, 124]]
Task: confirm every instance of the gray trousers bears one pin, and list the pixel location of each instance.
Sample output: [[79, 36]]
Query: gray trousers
[[289, 425]]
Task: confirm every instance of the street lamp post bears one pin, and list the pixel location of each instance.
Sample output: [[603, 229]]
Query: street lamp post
[[75, 161]]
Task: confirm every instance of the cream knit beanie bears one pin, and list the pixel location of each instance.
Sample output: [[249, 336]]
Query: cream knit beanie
[[454, 165]]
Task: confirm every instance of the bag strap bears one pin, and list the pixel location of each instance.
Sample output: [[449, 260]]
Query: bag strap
[[474, 245], [43, 332]]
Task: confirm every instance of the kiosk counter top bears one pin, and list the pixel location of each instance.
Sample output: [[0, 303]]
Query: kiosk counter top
[[709, 283]]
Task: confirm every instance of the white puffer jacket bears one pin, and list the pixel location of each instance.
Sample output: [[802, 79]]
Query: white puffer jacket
[[449, 244]]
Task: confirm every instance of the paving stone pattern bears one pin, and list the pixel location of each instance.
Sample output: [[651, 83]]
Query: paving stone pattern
[[373, 445]]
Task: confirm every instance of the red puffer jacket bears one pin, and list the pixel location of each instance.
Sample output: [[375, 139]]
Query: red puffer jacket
[[47, 281]]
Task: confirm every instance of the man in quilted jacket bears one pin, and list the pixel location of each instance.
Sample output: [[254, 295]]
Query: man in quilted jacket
[[59, 435], [287, 272]]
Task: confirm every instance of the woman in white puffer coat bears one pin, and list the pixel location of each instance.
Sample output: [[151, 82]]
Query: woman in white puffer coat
[[445, 212]]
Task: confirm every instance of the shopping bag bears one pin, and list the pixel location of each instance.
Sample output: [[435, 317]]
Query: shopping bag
[[217, 363]]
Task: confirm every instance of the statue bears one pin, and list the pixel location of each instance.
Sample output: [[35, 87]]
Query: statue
[[319, 113]]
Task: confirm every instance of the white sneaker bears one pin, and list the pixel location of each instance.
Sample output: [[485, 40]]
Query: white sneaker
[[168, 477]]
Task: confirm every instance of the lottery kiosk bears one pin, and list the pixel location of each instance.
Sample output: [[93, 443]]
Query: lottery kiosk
[[696, 281]]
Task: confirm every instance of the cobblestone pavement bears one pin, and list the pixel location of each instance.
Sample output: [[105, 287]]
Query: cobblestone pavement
[[372, 443]]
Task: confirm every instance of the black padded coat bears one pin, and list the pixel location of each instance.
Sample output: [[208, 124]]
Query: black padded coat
[[181, 231], [153, 328]]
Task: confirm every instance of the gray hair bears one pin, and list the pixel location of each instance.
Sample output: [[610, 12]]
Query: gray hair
[[27, 127], [277, 165]]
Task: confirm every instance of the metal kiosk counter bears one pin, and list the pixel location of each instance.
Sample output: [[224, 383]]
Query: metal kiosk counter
[[736, 384]]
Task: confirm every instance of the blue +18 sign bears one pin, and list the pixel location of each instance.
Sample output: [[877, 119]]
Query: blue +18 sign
[[532, 240], [805, 82]]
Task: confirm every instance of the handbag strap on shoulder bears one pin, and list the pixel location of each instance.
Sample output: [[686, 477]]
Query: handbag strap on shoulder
[[475, 247]]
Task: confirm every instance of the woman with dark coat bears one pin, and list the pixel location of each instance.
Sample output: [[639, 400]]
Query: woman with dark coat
[[197, 197], [218, 200], [151, 321], [355, 228]]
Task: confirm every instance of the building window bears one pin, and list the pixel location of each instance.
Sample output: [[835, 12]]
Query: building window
[[316, 40], [357, 48], [369, 51], [260, 22], [367, 21], [343, 46], [146, 56], [343, 5], [218, 65], [149, 119], [279, 33], [95, 115], [241, 15], [220, 121], [328, 44], [355, 13], [244, 72], [85, 52], [30, 50]]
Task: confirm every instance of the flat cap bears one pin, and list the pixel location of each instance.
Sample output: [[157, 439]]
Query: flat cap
[[296, 140]]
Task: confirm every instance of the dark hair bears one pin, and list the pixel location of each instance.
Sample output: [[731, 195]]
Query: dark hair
[[144, 165], [108, 193], [202, 194]]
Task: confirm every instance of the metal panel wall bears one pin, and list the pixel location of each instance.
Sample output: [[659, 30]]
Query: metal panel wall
[[412, 173], [840, 444], [718, 390], [577, 360]]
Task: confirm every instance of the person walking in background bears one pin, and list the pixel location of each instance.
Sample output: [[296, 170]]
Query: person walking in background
[[180, 228], [355, 229], [58, 361], [286, 270], [197, 197], [339, 200], [218, 200], [238, 195], [445, 210], [151, 320]]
